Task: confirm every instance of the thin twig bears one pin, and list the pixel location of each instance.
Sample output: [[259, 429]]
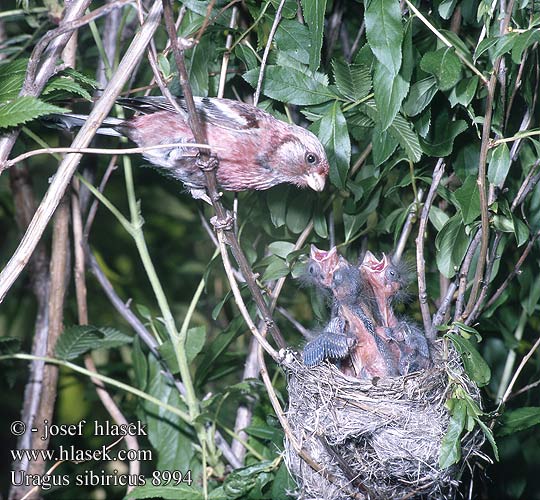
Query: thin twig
[[407, 227], [464, 275], [420, 262], [277, 19], [103, 151], [519, 370], [514, 272]]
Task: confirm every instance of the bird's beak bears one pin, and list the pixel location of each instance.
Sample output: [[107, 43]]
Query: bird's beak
[[315, 181]]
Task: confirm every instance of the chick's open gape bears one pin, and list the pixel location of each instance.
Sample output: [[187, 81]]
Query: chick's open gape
[[368, 398]]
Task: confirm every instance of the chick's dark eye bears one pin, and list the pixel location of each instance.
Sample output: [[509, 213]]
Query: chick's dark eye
[[311, 158]]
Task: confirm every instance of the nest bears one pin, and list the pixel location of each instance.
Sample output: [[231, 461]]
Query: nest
[[375, 438]]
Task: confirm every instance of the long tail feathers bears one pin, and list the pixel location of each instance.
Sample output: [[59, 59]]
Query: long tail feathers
[[70, 121]]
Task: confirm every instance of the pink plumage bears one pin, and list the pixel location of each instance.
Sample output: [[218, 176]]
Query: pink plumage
[[255, 150]]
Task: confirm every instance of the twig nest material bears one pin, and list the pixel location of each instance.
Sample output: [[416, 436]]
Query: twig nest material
[[376, 439]]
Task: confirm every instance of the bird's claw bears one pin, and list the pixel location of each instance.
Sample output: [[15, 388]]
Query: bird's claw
[[225, 224], [207, 164]]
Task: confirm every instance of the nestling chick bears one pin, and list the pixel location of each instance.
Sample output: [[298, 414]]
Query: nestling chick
[[387, 282], [320, 267], [254, 149]]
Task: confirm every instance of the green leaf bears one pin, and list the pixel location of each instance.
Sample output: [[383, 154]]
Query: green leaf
[[276, 199], [12, 78], [420, 95], [23, 109], [521, 231], [437, 217], [281, 248], [290, 8], [463, 92], [403, 132], [384, 145], [9, 345], [165, 429], [385, 32], [446, 7], [390, 90], [352, 80], [468, 199], [68, 85], [519, 419], [522, 42], [291, 86], [276, 269], [79, 339], [499, 165], [299, 211], [451, 243], [176, 492], [450, 452], [474, 364], [444, 65], [293, 39], [445, 133], [314, 16], [334, 135], [75, 341]]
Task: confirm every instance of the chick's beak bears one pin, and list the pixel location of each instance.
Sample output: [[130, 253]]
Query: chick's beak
[[315, 181]]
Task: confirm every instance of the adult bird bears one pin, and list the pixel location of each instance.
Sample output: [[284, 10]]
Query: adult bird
[[255, 150]]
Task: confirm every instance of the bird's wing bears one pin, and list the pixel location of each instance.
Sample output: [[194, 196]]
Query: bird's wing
[[222, 113]]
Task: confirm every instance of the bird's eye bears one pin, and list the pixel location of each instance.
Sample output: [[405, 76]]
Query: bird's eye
[[311, 158], [312, 269]]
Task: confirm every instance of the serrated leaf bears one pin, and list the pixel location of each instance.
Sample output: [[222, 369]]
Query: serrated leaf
[[67, 85], [403, 132], [473, 362], [451, 243], [334, 135], [390, 90], [444, 65], [352, 80], [499, 165], [81, 78], [291, 86], [9, 345], [23, 109], [450, 452], [293, 39], [385, 33], [519, 419], [79, 339], [76, 340], [420, 95], [384, 145], [468, 198], [313, 11]]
